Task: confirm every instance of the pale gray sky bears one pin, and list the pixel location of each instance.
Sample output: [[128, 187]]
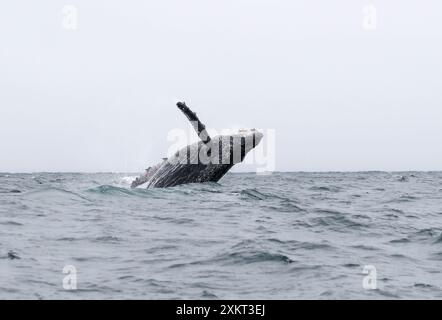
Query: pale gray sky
[[340, 97]]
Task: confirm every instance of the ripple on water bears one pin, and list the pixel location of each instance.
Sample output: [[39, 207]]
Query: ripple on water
[[108, 239], [55, 193], [12, 255], [296, 245], [271, 201], [174, 220], [424, 286], [252, 256], [253, 194], [285, 206], [208, 295], [114, 191], [10, 191], [11, 223], [403, 198], [400, 240], [333, 189], [338, 222], [438, 239]]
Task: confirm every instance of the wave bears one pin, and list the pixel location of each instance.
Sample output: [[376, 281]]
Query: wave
[[208, 295], [273, 202], [175, 220], [11, 255], [403, 198], [438, 239], [339, 221], [401, 240], [296, 245], [326, 188], [50, 191], [10, 191], [424, 286], [286, 206], [11, 223], [112, 190], [127, 180], [248, 257], [105, 239], [182, 190], [254, 194], [227, 235]]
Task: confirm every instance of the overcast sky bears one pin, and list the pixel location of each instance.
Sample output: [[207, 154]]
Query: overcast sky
[[339, 95]]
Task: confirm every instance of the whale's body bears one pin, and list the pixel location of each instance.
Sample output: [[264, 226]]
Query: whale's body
[[205, 161]]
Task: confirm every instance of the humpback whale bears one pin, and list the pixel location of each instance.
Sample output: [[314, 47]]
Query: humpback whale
[[207, 160]]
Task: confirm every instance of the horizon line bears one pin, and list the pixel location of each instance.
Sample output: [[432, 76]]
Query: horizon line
[[241, 172]]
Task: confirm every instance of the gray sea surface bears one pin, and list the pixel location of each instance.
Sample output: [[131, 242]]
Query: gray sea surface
[[277, 236]]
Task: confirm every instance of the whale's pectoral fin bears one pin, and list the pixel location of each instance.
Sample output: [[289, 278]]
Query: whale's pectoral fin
[[199, 127]]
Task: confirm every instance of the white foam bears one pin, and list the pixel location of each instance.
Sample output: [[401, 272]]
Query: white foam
[[127, 180]]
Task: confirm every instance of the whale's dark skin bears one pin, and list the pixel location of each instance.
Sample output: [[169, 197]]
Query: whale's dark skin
[[205, 161]]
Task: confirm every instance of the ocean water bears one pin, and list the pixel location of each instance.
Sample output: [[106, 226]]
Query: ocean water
[[278, 236]]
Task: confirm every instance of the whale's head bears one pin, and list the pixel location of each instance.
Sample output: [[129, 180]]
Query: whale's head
[[233, 148], [227, 149], [249, 139]]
